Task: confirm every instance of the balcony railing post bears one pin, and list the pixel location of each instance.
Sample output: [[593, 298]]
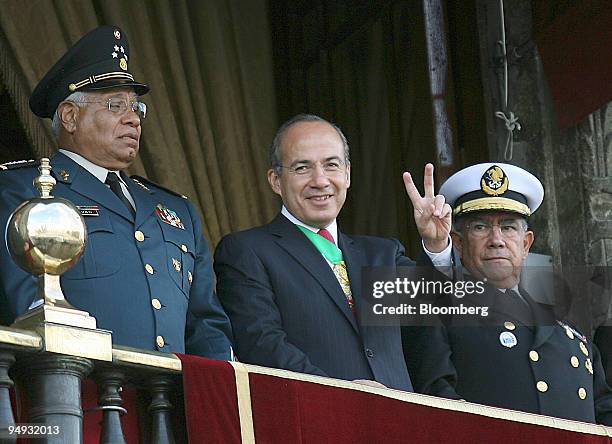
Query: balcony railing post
[[160, 407], [53, 383], [7, 359], [109, 397]]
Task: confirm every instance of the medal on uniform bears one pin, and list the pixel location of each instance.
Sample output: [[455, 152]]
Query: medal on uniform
[[176, 264], [168, 216], [507, 339]]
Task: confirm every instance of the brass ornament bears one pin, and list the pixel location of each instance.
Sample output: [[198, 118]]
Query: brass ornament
[[35, 227], [46, 236]]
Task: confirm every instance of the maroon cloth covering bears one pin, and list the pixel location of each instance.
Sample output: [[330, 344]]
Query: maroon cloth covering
[[312, 413], [291, 411], [576, 51], [211, 403]]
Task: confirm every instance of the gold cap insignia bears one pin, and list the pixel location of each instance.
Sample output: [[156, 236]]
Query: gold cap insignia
[[494, 181], [123, 64]]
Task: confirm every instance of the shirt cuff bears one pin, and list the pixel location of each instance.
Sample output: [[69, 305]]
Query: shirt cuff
[[443, 258]]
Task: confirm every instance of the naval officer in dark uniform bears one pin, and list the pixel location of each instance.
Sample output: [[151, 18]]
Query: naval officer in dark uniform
[[520, 356], [146, 273]]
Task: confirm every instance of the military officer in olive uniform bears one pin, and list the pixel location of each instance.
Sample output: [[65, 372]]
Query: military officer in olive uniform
[[146, 273], [519, 357]]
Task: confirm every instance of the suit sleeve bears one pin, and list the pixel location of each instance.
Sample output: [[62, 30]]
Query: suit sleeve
[[208, 330], [18, 288], [428, 358], [426, 347], [246, 293]]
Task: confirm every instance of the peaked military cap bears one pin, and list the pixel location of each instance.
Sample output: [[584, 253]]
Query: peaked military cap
[[98, 61], [493, 187]]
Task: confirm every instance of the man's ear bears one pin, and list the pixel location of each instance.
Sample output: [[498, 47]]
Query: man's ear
[[274, 181], [68, 113], [348, 175], [457, 243], [527, 242]]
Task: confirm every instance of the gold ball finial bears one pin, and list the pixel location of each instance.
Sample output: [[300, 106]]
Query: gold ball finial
[[46, 235]]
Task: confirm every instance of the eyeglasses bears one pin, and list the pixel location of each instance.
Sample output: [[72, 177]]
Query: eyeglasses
[[509, 229], [330, 168], [120, 106]]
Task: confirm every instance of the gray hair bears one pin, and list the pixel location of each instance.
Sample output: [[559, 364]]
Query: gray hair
[[76, 97], [275, 147]]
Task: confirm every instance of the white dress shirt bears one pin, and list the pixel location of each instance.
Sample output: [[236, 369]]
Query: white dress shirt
[[99, 172]]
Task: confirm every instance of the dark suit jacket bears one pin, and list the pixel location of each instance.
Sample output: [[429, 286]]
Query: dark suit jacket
[[288, 310], [110, 281], [469, 361]]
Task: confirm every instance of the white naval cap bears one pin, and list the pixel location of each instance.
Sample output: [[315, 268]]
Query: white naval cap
[[493, 187]]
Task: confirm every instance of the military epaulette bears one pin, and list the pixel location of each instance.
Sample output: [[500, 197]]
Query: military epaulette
[[143, 182], [16, 164]]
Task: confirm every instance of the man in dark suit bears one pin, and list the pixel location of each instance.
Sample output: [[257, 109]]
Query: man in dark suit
[[146, 273], [519, 356], [292, 287]]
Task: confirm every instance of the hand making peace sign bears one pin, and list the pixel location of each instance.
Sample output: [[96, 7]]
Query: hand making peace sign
[[431, 214]]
